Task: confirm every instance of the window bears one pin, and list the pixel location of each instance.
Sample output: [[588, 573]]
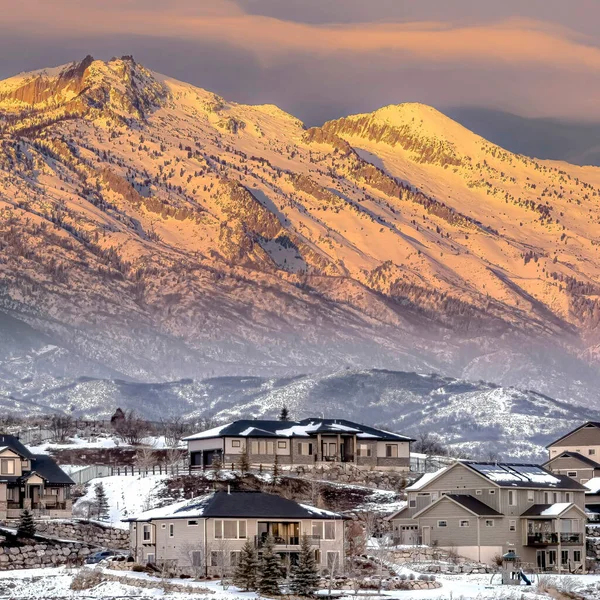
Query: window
[[512, 498], [577, 556], [555, 497], [592, 451], [196, 558], [546, 497], [412, 504], [332, 561], [171, 530], [230, 530], [564, 557], [262, 447], [147, 533], [567, 496], [192, 523], [323, 530], [478, 492], [551, 557], [236, 444], [391, 450], [7, 466], [150, 559], [282, 444], [571, 473], [489, 522], [492, 491], [442, 524], [234, 558], [363, 450], [305, 448], [464, 523], [216, 559], [512, 525], [163, 526], [530, 495]]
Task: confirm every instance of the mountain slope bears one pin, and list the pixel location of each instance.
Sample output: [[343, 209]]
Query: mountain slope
[[153, 230]]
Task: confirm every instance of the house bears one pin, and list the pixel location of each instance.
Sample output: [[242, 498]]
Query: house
[[207, 533], [32, 481], [575, 453], [592, 499], [484, 509], [303, 442]]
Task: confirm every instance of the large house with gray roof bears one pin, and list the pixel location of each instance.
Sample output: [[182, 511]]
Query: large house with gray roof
[[32, 481], [303, 442], [207, 533], [482, 510]]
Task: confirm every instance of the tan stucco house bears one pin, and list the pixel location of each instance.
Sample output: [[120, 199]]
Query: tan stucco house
[[207, 533], [303, 442], [32, 481], [482, 510]]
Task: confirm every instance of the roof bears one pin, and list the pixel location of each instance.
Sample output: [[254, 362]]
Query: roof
[[46, 467], [474, 505], [13, 442], [468, 502], [587, 424], [306, 428], [237, 504], [577, 456], [522, 475], [422, 481], [592, 486], [549, 510]]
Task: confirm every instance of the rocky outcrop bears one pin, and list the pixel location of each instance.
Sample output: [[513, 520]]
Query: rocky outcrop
[[91, 533], [36, 555]]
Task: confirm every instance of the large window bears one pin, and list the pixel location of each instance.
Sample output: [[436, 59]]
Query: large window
[[363, 450], [324, 530], [230, 530], [7, 466], [262, 447], [147, 533], [391, 450], [577, 556]]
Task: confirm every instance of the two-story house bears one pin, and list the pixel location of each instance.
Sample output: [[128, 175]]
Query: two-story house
[[481, 510], [32, 481], [303, 442], [576, 454], [208, 532]]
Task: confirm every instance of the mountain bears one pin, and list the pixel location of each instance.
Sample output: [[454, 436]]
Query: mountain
[[151, 230], [478, 418]]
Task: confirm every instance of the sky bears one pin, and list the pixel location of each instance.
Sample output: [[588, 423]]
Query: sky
[[321, 59]]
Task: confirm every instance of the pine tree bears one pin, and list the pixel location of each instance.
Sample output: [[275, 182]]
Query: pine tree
[[26, 526], [305, 576], [246, 572], [270, 570], [276, 470], [284, 415], [244, 460], [216, 466], [102, 508]]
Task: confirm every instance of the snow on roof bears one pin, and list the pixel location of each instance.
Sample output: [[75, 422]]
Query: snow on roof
[[215, 431], [193, 508], [555, 509], [424, 480], [319, 511], [593, 486]]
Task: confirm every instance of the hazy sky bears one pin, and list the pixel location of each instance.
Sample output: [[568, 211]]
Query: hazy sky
[[320, 59]]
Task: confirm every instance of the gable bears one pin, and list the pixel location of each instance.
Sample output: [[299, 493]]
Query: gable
[[569, 462], [457, 479], [444, 508], [9, 453], [586, 435]]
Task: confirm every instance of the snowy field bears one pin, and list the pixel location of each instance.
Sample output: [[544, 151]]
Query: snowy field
[[55, 583]]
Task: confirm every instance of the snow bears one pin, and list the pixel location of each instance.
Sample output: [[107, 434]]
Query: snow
[[424, 480], [126, 495], [215, 431], [593, 485], [319, 511], [556, 509], [192, 508]]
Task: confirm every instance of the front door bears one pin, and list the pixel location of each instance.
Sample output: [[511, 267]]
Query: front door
[[427, 536], [541, 560]]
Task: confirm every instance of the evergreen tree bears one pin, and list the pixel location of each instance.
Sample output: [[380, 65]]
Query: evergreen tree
[[101, 502], [244, 460], [284, 415], [26, 526], [305, 576], [246, 572], [270, 570], [216, 466], [276, 470]]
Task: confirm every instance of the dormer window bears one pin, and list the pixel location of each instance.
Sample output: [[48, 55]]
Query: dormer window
[[7, 466]]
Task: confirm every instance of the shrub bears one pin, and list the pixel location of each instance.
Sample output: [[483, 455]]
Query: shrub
[[412, 576], [87, 579], [138, 568]]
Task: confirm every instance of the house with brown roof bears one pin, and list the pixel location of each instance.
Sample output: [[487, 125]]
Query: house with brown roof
[[482, 510]]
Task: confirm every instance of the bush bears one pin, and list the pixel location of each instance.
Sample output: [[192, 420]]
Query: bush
[[138, 568], [87, 579], [412, 576]]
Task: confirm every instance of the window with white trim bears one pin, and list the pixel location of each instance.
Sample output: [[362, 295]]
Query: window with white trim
[[442, 523], [512, 498], [577, 556], [236, 443], [464, 523], [229, 529], [591, 451], [391, 450], [412, 504], [323, 530], [478, 492], [262, 447], [512, 525], [171, 530], [7, 466], [147, 533], [571, 473], [568, 497], [489, 522], [491, 491], [282, 444], [192, 523], [530, 495]]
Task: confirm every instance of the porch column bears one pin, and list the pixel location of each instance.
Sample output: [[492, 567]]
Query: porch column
[[558, 551], [339, 450], [319, 448], [354, 441]]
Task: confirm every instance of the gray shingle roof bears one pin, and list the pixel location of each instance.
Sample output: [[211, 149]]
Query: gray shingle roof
[[474, 505]]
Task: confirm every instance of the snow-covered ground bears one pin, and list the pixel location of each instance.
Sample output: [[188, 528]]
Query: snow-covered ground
[[56, 582], [127, 495], [101, 441]]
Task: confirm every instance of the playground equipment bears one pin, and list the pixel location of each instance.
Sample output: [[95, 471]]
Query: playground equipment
[[512, 571]]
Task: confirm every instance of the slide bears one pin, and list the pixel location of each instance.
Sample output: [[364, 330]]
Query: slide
[[524, 577]]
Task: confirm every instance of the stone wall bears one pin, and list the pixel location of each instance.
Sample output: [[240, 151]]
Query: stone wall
[[95, 534], [37, 554], [426, 559]]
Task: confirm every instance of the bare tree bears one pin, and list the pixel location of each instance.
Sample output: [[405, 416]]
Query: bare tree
[[61, 427], [219, 557], [175, 430], [145, 458], [132, 429], [85, 509], [192, 554]]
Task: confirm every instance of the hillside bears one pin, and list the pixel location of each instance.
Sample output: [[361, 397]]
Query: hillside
[[151, 230], [479, 418]]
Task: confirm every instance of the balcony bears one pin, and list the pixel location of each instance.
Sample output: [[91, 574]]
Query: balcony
[[552, 538], [575, 539], [285, 541]]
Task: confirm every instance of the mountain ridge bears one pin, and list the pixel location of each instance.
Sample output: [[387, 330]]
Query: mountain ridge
[[155, 230]]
